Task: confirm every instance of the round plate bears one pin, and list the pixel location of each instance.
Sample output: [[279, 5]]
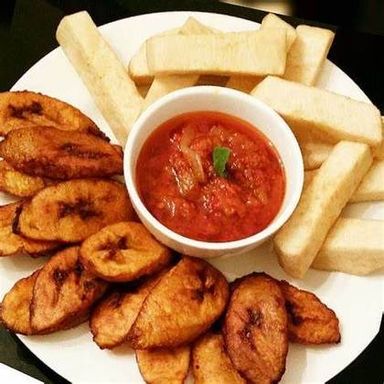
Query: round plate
[[72, 353]]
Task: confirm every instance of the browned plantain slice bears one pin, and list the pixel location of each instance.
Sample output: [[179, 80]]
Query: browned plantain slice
[[11, 243], [8, 212], [57, 154], [123, 252], [29, 109], [17, 183], [255, 329], [113, 317], [211, 363], [73, 210], [14, 310], [63, 292], [309, 320], [182, 306], [164, 366]]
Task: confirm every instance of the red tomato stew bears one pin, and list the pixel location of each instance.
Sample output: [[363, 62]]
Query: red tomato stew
[[210, 176]]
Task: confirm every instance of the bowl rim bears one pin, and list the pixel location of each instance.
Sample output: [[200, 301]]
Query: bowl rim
[[281, 217]]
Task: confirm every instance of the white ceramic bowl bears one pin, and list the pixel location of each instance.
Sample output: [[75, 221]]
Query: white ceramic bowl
[[210, 98]]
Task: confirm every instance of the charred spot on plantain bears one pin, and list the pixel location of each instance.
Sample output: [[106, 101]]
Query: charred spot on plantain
[[78, 269], [15, 221], [76, 150], [255, 317], [35, 108], [89, 285], [81, 207], [59, 276], [207, 284], [292, 313]]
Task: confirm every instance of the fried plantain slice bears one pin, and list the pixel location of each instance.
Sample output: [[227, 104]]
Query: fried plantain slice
[[211, 363], [122, 252], [163, 365], [113, 317], [73, 210], [182, 306], [14, 309], [255, 329], [63, 292], [309, 320], [25, 109], [11, 243], [51, 152], [17, 183]]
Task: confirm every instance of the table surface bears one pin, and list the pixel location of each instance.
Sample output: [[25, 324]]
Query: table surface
[[27, 33]]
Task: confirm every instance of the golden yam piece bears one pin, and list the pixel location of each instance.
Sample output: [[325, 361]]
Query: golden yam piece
[[309, 320], [73, 210], [50, 152], [123, 252], [352, 246], [113, 317], [256, 330], [182, 306], [63, 292], [14, 309], [17, 183], [25, 109], [211, 363], [101, 71], [164, 366], [11, 243]]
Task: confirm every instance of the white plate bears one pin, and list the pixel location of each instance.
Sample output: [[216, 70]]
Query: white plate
[[358, 301]]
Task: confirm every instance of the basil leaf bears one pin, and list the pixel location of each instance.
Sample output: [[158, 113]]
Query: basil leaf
[[220, 156]]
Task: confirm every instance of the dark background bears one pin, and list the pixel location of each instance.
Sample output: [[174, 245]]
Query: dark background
[[27, 33]]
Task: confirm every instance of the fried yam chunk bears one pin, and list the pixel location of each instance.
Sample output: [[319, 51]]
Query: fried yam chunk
[[63, 292], [113, 317], [73, 210], [25, 109], [309, 320], [164, 366], [211, 363], [123, 252], [182, 306], [14, 309], [11, 243], [51, 152], [256, 330], [17, 183]]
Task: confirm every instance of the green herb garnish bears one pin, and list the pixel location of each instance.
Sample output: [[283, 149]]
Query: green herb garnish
[[220, 156]]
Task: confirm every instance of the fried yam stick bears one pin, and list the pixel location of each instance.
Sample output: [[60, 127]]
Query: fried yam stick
[[307, 108], [352, 246], [102, 72], [302, 236], [219, 54]]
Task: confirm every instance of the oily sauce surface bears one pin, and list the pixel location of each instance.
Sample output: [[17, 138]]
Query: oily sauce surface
[[179, 185]]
